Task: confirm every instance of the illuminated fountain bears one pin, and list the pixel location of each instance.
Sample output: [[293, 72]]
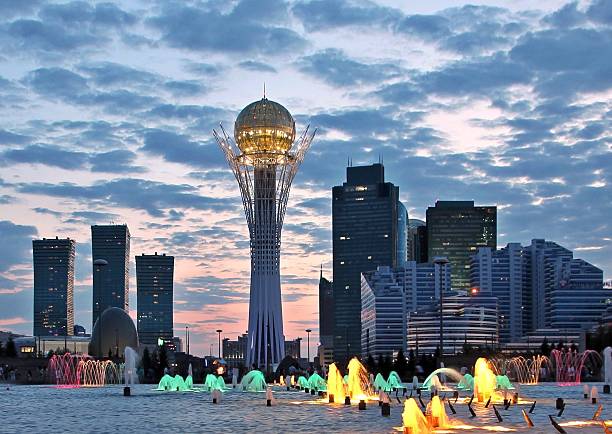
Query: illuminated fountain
[[253, 381], [335, 385], [466, 383], [394, 381], [521, 369], [358, 381], [436, 413], [485, 380], [75, 370], [381, 384], [302, 382], [189, 379], [434, 380], [569, 365], [169, 383], [316, 382], [413, 420]]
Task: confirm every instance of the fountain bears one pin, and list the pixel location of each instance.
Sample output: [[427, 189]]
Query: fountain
[[335, 385], [302, 382], [453, 374], [358, 381], [569, 364], [413, 420], [380, 383], [75, 370], [436, 413], [212, 382], [607, 352], [415, 382], [466, 383], [253, 381], [189, 379], [129, 370], [316, 382], [394, 381], [221, 383], [503, 382], [485, 381], [166, 383], [526, 371]]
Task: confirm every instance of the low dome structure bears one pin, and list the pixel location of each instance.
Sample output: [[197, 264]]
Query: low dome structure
[[113, 331]]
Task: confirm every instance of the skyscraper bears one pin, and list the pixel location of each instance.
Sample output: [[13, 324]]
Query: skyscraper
[[111, 286], [53, 286], [154, 286], [455, 230], [264, 166], [365, 235], [326, 321], [417, 241], [500, 273]]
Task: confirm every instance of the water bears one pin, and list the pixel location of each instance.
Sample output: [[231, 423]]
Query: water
[[95, 410]]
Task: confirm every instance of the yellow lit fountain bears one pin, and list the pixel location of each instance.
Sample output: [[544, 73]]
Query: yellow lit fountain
[[485, 381], [358, 380], [413, 420], [436, 413], [335, 385]]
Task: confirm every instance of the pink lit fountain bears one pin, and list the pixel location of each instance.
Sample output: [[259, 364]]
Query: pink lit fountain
[[81, 370], [569, 364]]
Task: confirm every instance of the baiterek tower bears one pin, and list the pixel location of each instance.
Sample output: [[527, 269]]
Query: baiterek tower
[[265, 158]]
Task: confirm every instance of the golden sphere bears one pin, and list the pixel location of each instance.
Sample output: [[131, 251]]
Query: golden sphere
[[264, 128]]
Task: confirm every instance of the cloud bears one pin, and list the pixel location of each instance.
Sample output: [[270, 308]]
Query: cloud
[[253, 65], [45, 154], [336, 68], [179, 148], [150, 196], [117, 161], [9, 138], [325, 14], [19, 238], [244, 29]]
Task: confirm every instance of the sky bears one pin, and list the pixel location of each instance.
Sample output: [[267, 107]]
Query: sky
[[107, 111]]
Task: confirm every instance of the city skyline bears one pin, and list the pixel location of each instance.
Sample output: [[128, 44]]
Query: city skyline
[[120, 136]]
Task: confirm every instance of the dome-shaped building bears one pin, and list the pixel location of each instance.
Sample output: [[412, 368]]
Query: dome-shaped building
[[264, 127], [113, 331]]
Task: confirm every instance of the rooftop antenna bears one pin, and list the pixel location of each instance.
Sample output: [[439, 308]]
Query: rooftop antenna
[[264, 90]]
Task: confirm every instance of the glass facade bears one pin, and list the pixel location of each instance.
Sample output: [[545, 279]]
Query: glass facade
[[365, 235], [111, 281], [155, 289], [455, 230], [53, 286]]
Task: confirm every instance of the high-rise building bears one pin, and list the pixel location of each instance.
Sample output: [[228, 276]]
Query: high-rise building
[[111, 283], [468, 320], [455, 230], [154, 286], [500, 273], [389, 299], [264, 165], [53, 286], [326, 321], [365, 234], [417, 241], [402, 234]]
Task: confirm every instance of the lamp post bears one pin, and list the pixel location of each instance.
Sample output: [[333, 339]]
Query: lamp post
[[441, 262], [308, 343], [219, 331], [187, 339]]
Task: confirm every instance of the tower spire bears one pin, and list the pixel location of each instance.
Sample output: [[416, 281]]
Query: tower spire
[[264, 83]]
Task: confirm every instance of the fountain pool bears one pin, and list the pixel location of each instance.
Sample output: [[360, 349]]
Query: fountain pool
[[104, 409]]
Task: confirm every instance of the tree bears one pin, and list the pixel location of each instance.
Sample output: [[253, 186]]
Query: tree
[[545, 348], [11, 349], [146, 362], [371, 363], [163, 360], [1, 350], [401, 366], [411, 362], [380, 365]]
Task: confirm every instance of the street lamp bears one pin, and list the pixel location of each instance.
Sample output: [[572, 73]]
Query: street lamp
[[219, 331], [187, 339], [441, 261], [308, 342]]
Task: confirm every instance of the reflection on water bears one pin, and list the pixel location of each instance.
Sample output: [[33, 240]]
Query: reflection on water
[[38, 408]]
